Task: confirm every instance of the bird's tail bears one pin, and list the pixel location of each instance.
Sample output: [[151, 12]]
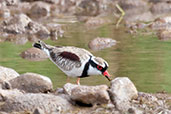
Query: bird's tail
[[40, 45]]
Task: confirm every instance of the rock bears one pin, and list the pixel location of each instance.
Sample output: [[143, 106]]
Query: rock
[[18, 39], [4, 84], [11, 2], [131, 4], [58, 91], [52, 1], [101, 43], [87, 94], [39, 30], [161, 8], [16, 24], [162, 23], [122, 91], [88, 8], [34, 54], [157, 1], [69, 87], [55, 30], [136, 10], [48, 1], [150, 103], [126, 91], [164, 35], [7, 74], [82, 7], [9, 94], [32, 38], [22, 24], [3, 112], [132, 7], [38, 111], [64, 7], [39, 9], [96, 21], [29, 0], [5, 13], [30, 102], [33, 83], [21, 7], [134, 26], [139, 17]]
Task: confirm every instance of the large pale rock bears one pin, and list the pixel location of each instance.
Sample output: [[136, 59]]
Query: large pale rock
[[9, 94], [88, 8], [136, 10], [31, 82], [161, 8], [18, 39], [38, 111], [55, 30], [16, 24], [10, 2], [87, 94], [45, 103], [7, 74], [4, 12], [132, 4], [101, 43], [39, 30], [162, 23], [96, 21], [4, 84], [69, 87], [52, 1], [139, 17], [39, 9], [22, 24], [83, 7], [24, 6], [34, 54], [164, 35], [122, 91]]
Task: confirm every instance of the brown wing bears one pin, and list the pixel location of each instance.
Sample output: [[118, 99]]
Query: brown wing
[[69, 55], [65, 60]]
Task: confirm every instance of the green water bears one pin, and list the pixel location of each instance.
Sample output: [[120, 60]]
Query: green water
[[144, 59]]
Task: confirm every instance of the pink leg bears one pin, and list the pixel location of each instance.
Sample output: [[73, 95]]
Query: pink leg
[[78, 81], [68, 79]]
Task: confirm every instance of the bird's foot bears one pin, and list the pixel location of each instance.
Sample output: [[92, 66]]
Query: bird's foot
[[78, 81]]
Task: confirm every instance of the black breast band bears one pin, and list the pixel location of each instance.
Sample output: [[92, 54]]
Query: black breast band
[[93, 64], [85, 71]]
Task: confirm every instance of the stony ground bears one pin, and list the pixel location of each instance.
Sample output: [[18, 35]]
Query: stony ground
[[33, 93]]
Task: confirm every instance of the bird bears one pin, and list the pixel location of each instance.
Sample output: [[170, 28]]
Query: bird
[[74, 61]]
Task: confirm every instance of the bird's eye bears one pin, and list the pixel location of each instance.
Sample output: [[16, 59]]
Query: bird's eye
[[99, 67]]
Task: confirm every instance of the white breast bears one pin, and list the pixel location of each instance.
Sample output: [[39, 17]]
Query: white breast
[[93, 71]]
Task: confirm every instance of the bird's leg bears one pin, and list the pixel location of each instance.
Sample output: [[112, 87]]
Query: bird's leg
[[78, 81], [68, 79]]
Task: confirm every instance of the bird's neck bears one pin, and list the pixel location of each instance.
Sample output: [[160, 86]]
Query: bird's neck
[[92, 63], [90, 68], [46, 50]]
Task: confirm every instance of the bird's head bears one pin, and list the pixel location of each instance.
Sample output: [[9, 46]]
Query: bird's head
[[40, 45], [100, 65]]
